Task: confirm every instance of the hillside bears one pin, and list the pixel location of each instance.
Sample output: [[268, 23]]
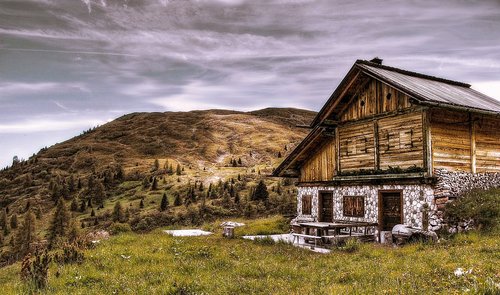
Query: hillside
[[135, 159]]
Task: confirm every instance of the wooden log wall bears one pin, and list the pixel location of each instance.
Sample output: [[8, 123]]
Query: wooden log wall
[[356, 146], [451, 140], [375, 98], [400, 141], [487, 143], [321, 165]]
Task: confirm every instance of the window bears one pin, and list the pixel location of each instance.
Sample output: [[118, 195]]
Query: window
[[306, 205], [354, 206]]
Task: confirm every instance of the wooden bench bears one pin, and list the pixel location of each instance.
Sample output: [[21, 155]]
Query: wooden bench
[[298, 236]]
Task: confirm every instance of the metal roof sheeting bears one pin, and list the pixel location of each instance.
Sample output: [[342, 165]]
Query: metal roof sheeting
[[434, 90]]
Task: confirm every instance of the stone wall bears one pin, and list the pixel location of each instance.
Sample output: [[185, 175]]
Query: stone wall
[[416, 198], [453, 184]]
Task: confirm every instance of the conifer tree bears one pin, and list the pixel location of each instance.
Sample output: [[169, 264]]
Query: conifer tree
[[1, 239], [13, 221], [71, 183], [237, 198], [74, 205], [73, 231], [260, 193], [156, 165], [92, 213], [177, 200], [239, 177], [239, 161], [100, 193], [141, 204], [59, 225], [154, 186], [164, 202], [3, 218], [279, 154], [83, 206], [26, 236], [118, 214], [178, 170], [201, 188], [89, 203]]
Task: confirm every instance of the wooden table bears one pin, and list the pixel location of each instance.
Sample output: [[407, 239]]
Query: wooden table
[[322, 230]]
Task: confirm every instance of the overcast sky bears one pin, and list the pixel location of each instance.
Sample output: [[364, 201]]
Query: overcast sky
[[67, 65]]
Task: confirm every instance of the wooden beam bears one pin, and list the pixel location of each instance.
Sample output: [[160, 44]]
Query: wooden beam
[[339, 98], [426, 132], [472, 143], [337, 152], [376, 145]]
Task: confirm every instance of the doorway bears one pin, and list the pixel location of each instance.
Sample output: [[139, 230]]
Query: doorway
[[390, 209], [325, 207]]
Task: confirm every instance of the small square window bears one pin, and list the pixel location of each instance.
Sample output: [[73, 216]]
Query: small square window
[[354, 206]]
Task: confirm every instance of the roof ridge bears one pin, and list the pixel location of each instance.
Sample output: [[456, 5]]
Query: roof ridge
[[414, 74]]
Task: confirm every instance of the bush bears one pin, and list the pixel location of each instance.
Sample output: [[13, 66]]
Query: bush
[[35, 272], [350, 245], [480, 206], [117, 228]]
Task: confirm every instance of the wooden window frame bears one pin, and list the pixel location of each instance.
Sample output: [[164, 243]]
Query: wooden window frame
[[345, 211], [306, 204]]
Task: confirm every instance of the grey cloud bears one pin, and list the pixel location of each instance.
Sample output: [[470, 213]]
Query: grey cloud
[[94, 59]]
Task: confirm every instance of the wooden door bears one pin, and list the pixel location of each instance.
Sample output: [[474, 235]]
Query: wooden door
[[390, 209], [325, 207]]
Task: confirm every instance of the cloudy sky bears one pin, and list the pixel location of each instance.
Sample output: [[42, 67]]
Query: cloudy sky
[[67, 65]]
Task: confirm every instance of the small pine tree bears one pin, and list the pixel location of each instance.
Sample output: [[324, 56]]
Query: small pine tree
[[178, 170], [234, 164], [1, 239], [26, 236], [59, 225], [164, 202], [141, 204], [239, 177], [3, 218], [83, 206], [154, 186], [89, 203], [260, 193], [13, 221], [74, 205], [156, 165], [237, 198], [177, 200], [92, 213], [279, 154], [100, 193], [118, 214], [239, 161]]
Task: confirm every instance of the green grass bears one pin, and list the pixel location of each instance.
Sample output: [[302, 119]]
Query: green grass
[[161, 264]]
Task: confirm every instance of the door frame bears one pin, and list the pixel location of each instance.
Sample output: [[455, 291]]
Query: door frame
[[380, 204], [320, 204]]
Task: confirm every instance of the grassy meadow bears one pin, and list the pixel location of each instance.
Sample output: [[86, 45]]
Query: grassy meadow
[[156, 263]]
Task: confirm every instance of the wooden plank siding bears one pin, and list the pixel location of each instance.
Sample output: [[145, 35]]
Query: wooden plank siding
[[375, 98], [356, 146], [451, 140], [487, 135], [400, 141], [321, 165]]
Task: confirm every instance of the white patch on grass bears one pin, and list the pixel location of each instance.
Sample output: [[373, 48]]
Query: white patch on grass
[[187, 232]]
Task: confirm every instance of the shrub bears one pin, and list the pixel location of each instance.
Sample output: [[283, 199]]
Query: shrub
[[69, 253], [350, 245], [35, 272], [480, 206], [117, 228]]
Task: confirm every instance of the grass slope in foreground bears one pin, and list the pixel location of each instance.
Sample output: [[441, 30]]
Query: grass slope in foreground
[[161, 264]]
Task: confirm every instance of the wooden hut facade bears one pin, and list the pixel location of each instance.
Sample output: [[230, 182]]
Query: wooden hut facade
[[392, 146]]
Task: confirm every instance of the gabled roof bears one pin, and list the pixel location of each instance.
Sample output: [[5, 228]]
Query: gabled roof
[[423, 89]]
